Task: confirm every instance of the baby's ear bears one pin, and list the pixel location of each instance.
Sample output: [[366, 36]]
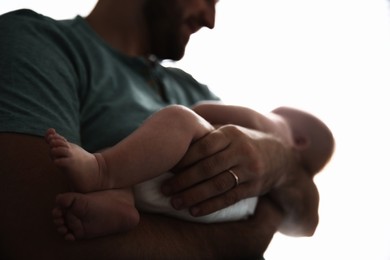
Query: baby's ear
[[301, 142]]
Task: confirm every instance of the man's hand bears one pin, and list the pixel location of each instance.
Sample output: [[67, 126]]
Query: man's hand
[[203, 182], [264, 166]]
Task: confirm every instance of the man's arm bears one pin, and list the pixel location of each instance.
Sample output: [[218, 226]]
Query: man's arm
[[29, 183], [298, 197], [263, 164]]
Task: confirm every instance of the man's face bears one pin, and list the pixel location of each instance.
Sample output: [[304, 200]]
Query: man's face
[[171, 23]]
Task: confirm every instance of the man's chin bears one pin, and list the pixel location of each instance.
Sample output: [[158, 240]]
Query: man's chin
[[174, 56]]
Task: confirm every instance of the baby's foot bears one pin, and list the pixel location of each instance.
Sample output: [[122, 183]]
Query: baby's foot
[[80, 216], [85, 170]]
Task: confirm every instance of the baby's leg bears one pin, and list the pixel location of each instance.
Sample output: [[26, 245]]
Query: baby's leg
[[155, 147], [85, 170], [95, 214]]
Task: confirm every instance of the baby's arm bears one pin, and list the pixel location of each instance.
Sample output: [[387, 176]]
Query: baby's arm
[[219, 114], [271, 123]]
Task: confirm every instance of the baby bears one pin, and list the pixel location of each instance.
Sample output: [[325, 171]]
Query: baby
[[103, 179]]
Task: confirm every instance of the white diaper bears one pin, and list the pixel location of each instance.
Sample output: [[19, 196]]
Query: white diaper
[[149, 198]]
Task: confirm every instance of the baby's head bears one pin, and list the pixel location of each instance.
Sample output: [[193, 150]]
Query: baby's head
[[312, 138]]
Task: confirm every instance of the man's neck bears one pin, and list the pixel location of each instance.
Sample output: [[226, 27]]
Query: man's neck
[[125, 33]]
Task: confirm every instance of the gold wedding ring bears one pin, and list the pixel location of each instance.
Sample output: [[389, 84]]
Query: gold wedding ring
[[235, 177]]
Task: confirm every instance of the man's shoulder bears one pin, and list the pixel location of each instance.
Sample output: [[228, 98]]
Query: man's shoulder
[[21, 16], [22, 26], [24, 23], [19, 13]]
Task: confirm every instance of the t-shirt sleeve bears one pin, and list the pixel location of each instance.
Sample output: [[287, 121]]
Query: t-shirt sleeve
[[38, 84]]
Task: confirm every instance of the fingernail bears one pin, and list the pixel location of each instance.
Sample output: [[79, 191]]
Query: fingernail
[[177, 203], [194, 211], [166, 190]]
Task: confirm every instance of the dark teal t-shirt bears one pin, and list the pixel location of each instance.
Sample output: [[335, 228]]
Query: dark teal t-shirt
[[61, 74]]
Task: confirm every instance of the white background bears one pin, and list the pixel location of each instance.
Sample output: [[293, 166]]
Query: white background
[[331, 57]]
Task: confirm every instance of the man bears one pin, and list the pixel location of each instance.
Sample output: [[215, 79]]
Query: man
[[93, 77]]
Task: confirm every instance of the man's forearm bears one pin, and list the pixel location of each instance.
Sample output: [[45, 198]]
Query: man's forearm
[[170, 238], [29, 183], [185, 240]]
